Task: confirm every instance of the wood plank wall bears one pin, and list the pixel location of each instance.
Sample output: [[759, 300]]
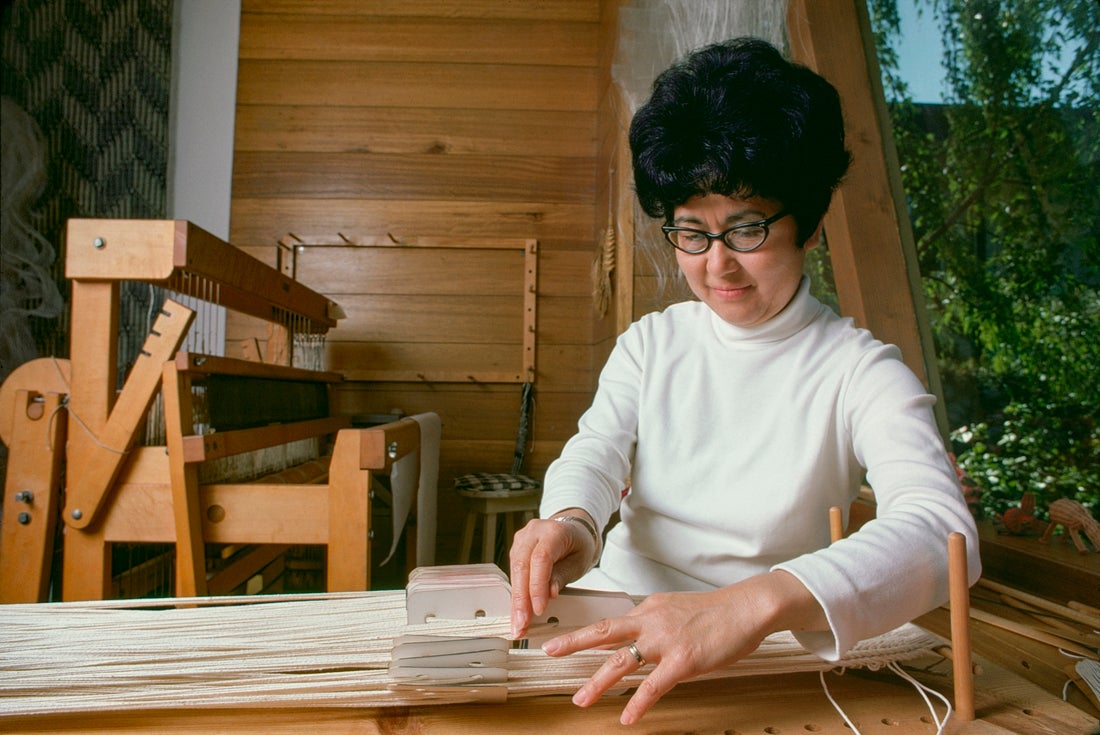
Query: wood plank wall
[[438, 118]]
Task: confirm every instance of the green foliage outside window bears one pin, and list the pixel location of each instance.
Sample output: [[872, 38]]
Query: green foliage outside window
[[1003, 188]]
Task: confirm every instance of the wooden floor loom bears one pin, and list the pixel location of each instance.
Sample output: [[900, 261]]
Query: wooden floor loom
[[215, 410]]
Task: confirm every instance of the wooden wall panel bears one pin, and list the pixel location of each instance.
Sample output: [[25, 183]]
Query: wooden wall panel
[[408, 131], [367, 359], [405, 84], [432, 118], [308, 175], [405, 271], [528, 10], [258, 224], [418, 40], [472, 319]]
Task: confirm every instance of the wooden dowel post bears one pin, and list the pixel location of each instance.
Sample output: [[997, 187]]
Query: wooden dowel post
[[836, 524], [959, 594]]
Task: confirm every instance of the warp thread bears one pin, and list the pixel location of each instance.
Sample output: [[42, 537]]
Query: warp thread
[[309, 650]]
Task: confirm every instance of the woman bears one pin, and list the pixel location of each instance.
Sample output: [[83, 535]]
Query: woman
[[737, 420]]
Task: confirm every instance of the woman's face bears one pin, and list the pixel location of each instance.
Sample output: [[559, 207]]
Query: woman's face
[[744, 289]]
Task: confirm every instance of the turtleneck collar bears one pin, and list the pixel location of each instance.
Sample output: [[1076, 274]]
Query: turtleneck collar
[[801, 310]]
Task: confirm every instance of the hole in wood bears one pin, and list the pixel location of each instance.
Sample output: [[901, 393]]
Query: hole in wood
[[36, 408]]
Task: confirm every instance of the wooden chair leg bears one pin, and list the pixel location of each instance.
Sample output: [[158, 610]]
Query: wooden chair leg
[[489, 539], [509, 530], [349, 517], [467, 538]]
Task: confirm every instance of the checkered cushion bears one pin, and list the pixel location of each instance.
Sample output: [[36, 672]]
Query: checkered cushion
[[495, 481]]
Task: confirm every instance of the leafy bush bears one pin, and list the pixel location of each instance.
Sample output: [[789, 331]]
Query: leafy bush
[[1050, 451], [1003, 188]]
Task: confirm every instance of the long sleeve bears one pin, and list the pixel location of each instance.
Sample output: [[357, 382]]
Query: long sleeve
[[595, 464], [735, 443], [895, 567]]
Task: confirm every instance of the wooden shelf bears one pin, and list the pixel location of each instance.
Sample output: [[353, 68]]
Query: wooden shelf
[[1056, 571]]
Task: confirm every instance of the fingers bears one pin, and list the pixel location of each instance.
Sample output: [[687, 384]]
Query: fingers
[[681, 634], [520, 575], [619, 664], [603, 633], [540, 585], [639, 641], [537, 547], [624, 662], [653, 687]]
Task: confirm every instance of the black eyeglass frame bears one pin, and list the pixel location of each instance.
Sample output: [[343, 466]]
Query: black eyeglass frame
[[711, 236]]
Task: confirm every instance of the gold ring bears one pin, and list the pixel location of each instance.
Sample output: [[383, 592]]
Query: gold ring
[[636, 654]]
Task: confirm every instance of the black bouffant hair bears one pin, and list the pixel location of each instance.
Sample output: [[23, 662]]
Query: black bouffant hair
[[737, 118]]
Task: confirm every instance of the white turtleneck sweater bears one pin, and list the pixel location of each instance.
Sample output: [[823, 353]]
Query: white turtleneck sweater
[[736, 441]]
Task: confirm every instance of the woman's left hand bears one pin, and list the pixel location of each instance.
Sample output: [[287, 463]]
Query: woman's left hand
[[687, 634]]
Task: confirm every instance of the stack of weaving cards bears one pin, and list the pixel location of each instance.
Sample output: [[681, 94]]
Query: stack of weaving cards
[[459, 592]]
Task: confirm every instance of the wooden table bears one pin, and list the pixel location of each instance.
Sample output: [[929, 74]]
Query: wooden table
[[876, 702]]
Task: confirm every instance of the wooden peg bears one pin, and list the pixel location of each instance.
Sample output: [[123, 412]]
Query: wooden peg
[[836, 524], [959, 595]]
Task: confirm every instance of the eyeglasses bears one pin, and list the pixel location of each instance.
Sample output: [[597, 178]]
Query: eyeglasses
[[744, 238]]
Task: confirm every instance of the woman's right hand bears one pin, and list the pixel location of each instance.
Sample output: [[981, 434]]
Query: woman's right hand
[[546, 555]]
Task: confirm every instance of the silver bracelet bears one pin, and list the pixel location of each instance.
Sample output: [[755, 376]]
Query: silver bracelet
[[587, 527]]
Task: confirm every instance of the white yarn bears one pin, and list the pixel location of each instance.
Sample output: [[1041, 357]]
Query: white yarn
[[652, 34], [26, 286], [1089, 671], [922, 690], [308, 650]]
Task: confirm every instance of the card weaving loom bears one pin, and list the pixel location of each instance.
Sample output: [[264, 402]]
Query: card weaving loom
[[428, 645], [236, 452]]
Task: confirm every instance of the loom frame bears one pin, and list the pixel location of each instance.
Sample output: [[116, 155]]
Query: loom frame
[[118, 492]]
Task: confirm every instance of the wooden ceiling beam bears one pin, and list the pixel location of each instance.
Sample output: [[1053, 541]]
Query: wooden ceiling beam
[[868, 230]]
